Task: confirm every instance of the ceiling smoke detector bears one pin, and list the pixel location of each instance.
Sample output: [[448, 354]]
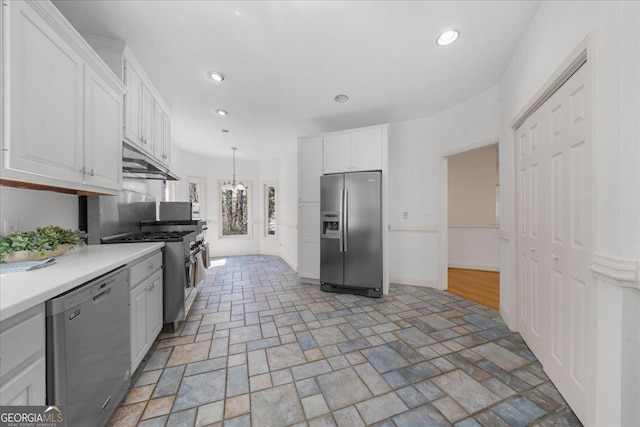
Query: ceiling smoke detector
[[216, 76], [341, 98], [447, 37], [225, 130]]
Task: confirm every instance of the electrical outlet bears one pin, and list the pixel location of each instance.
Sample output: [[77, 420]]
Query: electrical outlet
[[405, 215], [9, 226]]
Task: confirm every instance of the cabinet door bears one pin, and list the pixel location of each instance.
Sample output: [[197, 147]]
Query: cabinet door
[[154, 307], [366, 150], [132, 104], [158, 130], [309, 169], [166, 139], [148, 112], [103, 135], [45, 98], [25, 388], [138, 316], [309, 240], [337, 153]]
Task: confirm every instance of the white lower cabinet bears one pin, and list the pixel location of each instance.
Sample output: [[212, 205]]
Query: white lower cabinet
[[22, 356], [145, 306], [27, 387]]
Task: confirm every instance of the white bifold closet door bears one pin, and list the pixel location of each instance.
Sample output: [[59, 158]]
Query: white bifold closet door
[[554, 235]]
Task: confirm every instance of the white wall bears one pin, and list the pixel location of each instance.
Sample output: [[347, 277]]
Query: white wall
[[416, 149], [288, 207], [474, 247], [472, 181], [36, 208], [556, 30]]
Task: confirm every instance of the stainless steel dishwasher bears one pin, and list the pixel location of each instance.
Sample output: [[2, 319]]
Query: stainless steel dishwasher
[[88, 349]]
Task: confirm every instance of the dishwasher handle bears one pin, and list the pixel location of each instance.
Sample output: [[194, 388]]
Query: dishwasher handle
[[102, 295]]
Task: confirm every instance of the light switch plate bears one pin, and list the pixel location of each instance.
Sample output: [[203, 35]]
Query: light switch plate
[[405, 215]]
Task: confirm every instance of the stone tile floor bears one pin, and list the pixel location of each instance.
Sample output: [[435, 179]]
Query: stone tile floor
[[260, 348]]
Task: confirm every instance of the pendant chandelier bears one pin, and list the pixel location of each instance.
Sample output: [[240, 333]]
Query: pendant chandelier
[[239, 186]]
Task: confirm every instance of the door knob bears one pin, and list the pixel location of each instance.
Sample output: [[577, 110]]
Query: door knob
[[555, 257], [532, 249]]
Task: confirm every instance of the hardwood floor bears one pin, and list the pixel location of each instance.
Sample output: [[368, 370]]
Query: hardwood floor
[[479, 286]]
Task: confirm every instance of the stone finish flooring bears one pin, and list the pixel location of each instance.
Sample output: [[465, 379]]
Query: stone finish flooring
[[260, 349]]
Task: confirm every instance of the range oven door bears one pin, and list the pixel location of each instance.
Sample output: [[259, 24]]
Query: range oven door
[[174, 282]]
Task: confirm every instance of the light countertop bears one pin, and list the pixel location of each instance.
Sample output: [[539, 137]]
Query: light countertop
[[21, 291]]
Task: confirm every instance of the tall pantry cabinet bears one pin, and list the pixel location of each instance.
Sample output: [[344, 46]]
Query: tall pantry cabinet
[[355, 150]]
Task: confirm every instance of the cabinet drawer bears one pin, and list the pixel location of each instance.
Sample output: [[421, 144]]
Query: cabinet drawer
[[145, 268], [21, 341]]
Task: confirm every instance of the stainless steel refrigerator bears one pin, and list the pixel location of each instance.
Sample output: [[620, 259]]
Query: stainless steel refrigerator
[[351, 233]]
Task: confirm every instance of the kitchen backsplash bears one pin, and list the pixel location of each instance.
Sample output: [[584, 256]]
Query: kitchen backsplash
[[34, 208]]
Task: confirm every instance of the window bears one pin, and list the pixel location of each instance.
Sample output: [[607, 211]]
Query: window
[[196, 188], [234, 211], [270, 210]]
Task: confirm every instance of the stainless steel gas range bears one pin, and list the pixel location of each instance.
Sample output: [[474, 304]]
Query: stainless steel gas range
[[130, 218]]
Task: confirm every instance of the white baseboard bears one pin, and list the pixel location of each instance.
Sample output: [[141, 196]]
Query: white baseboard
[[474, 266], [293, 266], [310, 280]]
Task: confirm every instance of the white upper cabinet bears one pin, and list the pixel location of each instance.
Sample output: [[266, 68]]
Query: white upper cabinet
[[309, 169], [132, 104], [337, 153], [102, 127], [158, 131], [166, 139], [144, 109], [62, 105], [366, 150], [359, 150], [148, 114], [46, 112]]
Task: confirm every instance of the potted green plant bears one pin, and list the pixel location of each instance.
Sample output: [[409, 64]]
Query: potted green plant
[[44, 242]]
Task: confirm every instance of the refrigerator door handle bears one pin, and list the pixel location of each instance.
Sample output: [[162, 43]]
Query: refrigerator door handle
[[341, 222], [346, 221]]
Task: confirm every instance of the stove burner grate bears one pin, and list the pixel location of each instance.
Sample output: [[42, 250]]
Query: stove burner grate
[[150, 236]]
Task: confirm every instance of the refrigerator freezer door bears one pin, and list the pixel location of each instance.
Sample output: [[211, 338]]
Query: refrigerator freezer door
[[363, 234], [331, 257]]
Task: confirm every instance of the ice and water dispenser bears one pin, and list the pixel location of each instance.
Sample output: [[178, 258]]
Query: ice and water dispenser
[[330, 226]]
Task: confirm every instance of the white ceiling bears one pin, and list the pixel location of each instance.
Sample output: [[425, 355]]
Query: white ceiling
[[286, 60]]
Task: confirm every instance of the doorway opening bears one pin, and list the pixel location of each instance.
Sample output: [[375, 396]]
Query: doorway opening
[[472, 222]]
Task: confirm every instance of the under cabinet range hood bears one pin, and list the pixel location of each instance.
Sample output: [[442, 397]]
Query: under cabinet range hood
[[139, 165]]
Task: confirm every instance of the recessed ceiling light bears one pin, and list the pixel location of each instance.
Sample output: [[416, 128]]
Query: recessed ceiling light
[[447, 37], [216, 75], [341, 98], [222, 112]]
